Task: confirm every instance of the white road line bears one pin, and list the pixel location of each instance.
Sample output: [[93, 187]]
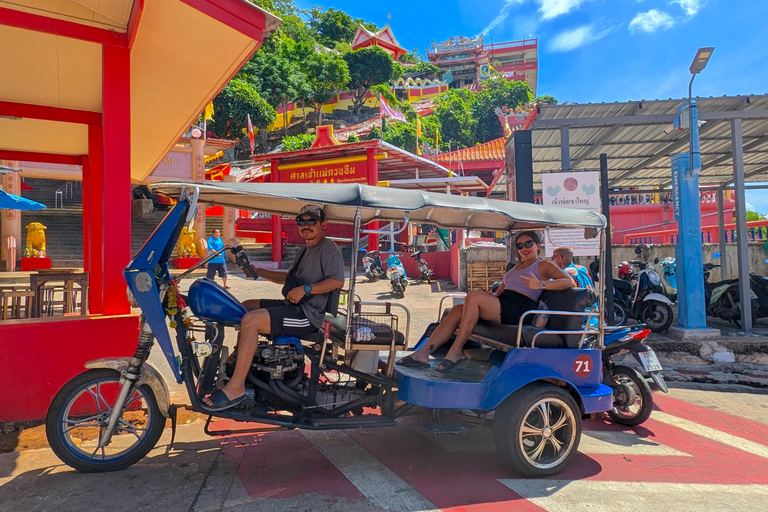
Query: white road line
[[374, 480], [597, 496], [737, 442]]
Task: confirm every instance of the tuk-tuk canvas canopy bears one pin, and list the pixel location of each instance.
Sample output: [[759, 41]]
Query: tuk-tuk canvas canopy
[[340, 202]]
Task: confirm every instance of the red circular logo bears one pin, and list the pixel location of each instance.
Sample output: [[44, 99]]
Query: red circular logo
[[582, 366]]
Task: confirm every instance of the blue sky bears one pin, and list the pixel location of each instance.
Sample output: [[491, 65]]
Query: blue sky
[[602, 50]]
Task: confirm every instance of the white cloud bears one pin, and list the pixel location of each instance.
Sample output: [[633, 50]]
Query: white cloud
[[503, 14], [580, 36], [651, 21], [691, 7], [553, 8]]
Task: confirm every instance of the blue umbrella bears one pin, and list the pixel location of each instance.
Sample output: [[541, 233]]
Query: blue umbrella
[[12, 202]]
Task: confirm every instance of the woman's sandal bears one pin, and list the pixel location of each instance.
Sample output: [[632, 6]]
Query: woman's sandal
[[447, 365], [410, 361]]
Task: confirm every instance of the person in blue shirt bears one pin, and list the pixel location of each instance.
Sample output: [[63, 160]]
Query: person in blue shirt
[[563, 258], [218, 263]]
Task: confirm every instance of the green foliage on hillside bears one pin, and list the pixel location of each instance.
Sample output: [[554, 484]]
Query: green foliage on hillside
[[367, 67], [297, 142]]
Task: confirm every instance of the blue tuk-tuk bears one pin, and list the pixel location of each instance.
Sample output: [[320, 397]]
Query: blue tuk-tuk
[[538, 385]]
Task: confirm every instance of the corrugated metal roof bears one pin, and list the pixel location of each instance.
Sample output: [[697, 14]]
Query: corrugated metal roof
[[632, 135]]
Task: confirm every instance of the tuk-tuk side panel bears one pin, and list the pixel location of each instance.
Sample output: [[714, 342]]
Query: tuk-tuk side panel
[[599, 399], [436, 394], [584, 368], [510, 380]]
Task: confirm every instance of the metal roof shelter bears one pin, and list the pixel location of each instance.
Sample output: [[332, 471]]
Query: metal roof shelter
[[639, 140]]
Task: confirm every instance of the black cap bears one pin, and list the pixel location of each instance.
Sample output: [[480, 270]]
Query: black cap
[[313, 211]]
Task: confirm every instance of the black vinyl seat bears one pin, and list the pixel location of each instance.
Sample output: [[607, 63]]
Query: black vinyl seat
[[504, 337]]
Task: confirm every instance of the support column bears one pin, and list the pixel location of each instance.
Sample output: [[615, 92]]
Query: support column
[[690, 275], [229, 216], [608, 263], [737, 149], [10, 220], [721, 233], [198, 175], [277, 222], [520, 173], [565, 149], [116, 191], [95, 219], [372, 168], [86, 183]]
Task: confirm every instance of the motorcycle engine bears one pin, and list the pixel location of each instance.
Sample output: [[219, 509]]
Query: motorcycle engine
[[277, 360]]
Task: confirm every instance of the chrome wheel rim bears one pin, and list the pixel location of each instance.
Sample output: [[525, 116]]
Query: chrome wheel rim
[[84, 418], [632, 400], [548, 433]]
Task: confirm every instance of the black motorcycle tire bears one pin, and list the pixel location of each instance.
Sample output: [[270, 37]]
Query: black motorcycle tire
[[632, 376], [69, 454], [755, 309], [619, 314], [649, 312]]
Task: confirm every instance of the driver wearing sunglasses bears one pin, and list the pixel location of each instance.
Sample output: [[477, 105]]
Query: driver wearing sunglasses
[[519, 292], [317, 270]]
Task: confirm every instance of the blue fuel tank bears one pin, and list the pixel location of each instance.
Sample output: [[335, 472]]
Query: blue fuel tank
[[209, 301]]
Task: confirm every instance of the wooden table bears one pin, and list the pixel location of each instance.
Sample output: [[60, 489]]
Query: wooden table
[[69, 277], [11, 295]]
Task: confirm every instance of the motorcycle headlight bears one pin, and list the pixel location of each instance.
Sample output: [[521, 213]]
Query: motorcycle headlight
[[654, 278]]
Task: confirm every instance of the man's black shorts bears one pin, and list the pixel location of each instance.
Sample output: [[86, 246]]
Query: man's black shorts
[[286, 319]]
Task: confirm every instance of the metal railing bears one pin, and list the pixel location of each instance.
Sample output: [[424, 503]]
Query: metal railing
[[65, 191]]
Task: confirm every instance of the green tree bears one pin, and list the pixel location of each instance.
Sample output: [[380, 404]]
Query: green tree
[[753, 215], [412, 57], [367, 67], [545, 100], [333, 25], [497, 92], [454, 110], [326, 74], [233, 105], [297, 142], [422, 70]]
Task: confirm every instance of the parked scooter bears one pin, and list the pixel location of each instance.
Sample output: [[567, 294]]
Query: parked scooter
[[425, 272], [398, 280], [632, 398], [668, 277], [644, 301], [723, 298], [372, 265]]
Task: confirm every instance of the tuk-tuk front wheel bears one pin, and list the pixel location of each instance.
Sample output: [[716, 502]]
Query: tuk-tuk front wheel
[[537, 429]]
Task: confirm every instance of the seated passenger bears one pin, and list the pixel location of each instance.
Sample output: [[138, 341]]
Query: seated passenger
[[563, 258], [519, 292], [317, 270]]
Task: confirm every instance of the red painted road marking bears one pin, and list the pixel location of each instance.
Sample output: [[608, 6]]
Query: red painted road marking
[[734, 425]]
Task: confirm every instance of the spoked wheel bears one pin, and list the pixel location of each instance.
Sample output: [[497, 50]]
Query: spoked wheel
[[79, 414], [632, 398], [537, 429], [657, 316]]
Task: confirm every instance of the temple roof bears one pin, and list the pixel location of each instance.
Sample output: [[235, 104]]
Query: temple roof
[[488, 151], [384, 39]]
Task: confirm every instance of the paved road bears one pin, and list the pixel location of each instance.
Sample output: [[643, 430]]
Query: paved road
[[703, 449]]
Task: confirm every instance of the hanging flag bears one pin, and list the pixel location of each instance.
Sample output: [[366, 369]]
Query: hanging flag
[[437, 143], [250, 132], [386, 110], [209, 111], [418, 127]]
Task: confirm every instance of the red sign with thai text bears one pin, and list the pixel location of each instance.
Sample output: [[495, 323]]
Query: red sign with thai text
[[354, 172]]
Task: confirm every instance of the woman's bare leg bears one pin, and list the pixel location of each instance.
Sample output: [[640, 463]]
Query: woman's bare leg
[[440, 335], [477, 305]]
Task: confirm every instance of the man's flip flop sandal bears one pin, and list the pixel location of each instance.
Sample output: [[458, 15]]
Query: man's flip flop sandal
[[409, 361], [221, 402], [447, 365]]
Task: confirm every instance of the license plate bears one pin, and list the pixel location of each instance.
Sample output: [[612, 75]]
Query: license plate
[[650, 361]]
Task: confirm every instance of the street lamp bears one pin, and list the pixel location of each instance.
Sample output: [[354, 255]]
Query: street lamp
[[697, 66]]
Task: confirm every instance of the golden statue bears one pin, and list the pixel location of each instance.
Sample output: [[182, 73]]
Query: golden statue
[[186, 246], [35, 247]]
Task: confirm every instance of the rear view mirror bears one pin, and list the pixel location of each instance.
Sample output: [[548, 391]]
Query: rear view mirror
[[656, 261]]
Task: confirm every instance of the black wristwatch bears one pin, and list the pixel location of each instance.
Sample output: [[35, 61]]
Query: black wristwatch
[[307, 290]]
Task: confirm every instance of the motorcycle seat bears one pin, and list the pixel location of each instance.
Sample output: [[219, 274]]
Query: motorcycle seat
[[623, 286], [504, 337]]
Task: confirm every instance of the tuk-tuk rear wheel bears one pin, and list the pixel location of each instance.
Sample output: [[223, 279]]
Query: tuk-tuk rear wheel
[[537, 429]]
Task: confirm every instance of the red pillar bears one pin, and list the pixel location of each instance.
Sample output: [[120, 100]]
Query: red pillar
[[92, 196], [277, 222], [116, 189], [372, 168]]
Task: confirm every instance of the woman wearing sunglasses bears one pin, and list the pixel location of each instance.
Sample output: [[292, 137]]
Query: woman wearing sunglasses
[[519, 292]]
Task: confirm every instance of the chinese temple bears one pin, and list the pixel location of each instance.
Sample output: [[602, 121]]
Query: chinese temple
[[384, 39], [470, 60]]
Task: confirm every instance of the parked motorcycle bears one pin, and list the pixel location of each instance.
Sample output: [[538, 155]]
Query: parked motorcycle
[[632, 398], [723, 299], [425, 272], [398, 279], [644, 300], [372, 265], [668, 277]]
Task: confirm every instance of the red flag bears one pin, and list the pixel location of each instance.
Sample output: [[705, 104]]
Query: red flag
[[250, 132], [386, 110]]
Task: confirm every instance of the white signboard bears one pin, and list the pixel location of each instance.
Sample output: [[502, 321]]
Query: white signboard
[[576, 190]]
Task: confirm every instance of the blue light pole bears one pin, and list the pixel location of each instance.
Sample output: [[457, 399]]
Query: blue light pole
[[686, 206]]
